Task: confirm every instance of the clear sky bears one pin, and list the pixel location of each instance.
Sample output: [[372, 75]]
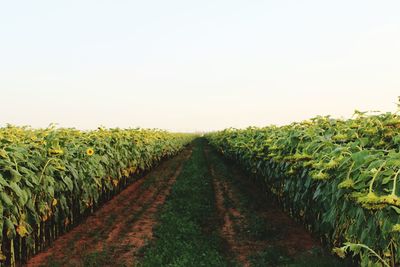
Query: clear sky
[[195, 65]]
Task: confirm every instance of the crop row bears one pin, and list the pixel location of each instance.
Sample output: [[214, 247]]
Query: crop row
[[52, 178], [339, 177]]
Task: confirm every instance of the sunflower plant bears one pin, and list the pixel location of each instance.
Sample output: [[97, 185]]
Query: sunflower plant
[[50, 178], [340, 177]]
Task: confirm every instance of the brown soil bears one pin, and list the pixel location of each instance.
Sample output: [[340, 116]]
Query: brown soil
[[232, 219], [121, 227], [230, 216], [294, 238], [115, 234]]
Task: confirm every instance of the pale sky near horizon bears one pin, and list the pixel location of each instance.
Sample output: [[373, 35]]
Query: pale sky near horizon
[[195, 65]]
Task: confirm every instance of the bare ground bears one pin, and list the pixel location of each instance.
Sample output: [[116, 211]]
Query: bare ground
[[293, 238], [117, 231], [115, 234]]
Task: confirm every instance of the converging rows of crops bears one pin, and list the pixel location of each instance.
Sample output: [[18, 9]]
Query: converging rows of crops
[[52, 178], [339, 177]]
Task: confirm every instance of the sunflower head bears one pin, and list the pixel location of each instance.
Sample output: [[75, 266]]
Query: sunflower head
[[332, 164], [391, 200], [319, 175], [396, 228], [89, 151], [341, 252], [21, 230], [348, 183], [56, 151], [370, 198]]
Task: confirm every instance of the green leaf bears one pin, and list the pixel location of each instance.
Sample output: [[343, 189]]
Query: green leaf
[[10, 229], [16, 189], [2, 181], [396, 209], [16, 176], [68, 182], [6, 199], [359, 157]]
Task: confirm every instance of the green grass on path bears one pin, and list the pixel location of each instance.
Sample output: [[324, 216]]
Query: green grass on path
[[186, 234]]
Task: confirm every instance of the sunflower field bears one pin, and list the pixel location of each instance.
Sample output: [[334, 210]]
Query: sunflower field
[[339, 177], [52, 178]]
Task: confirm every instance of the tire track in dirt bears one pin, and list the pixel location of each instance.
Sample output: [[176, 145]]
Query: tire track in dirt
[[232, 218], [106, 225], [139, 230], [292, 237]]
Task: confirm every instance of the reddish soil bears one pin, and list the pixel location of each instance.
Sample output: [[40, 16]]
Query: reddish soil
[[232, 219], [294, 238], [121, 227], [230, 216], [115, 234]]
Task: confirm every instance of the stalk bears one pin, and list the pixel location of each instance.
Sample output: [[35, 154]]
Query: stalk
[[41, 176], [375, 175], [373, 252], [395, 183], [349, 172], [12, 260]]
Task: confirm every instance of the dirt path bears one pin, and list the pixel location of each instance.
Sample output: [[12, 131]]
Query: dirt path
[[252, 230], [291, 235], [113, 234], [231, 217], [249, 231]]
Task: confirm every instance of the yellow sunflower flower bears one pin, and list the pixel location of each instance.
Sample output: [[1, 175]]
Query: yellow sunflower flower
[[21, 230], [90, 152]]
